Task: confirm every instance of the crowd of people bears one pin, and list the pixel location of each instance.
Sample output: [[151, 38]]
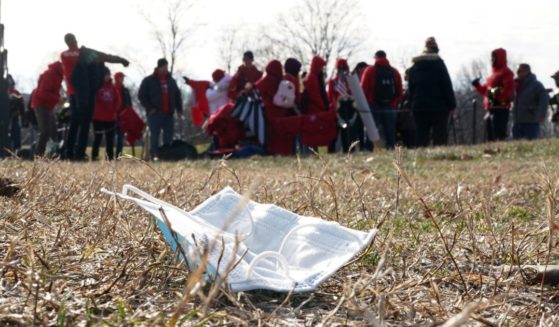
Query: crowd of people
[[280, 111]]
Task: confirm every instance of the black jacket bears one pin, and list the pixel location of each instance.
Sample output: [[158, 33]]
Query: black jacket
[[150, 94], [430, 86], [126, 98], [87, 76], [531, 103]]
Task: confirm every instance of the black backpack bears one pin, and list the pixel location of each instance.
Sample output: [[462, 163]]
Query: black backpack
[[385, 87], [177, 151]]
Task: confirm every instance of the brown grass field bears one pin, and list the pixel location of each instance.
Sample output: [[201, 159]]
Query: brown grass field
[[459, 229]]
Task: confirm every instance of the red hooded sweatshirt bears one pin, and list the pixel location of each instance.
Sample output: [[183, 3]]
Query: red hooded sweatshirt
[[319, 125], [282, 128], [69, 60], [316, 96], [503, 78], [47, 93], [229, 131], [336, 87], [268, 86], [107, 103], [244, 75], [369, 79]]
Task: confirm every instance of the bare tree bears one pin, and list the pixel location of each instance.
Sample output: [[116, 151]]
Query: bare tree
[[175, 31], [328, 28], [465, 126], [228, 46]]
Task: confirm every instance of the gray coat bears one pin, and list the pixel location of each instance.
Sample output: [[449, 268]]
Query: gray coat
[[531, 103]]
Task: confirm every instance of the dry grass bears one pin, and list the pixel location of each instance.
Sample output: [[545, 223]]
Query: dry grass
[[455, 228]]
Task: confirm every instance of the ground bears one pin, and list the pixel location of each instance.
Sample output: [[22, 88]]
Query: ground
[[456, 225]]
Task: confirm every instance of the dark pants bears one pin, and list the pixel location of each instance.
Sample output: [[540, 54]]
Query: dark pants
[[47, 129], [80, 121], [431, 125], [119, 141], [408, 138], [158, 122], [496, 124], [15, 133], [385, 119], [352, 134], [107, 129], [528, 131]]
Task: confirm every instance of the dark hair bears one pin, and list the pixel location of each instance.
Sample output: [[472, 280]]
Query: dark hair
[[361, 65], [525, 67], [380, 54], [162, 62], [292, 66], [248, 55]]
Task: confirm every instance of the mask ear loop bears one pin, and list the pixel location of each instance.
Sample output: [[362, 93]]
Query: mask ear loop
[[270, 254], [133, 199], [296, 229]]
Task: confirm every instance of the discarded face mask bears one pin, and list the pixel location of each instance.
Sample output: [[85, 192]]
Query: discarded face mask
[[254, 246]]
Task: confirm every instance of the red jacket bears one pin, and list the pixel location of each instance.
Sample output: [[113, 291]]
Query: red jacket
[[244, 75], [201, 109], [319, 123], [369, 79], [107, 103], [334, 88], [316, 94], [227, 130], [69, 60], [282, 126], [47, 93], [269, 84], [131, 125], [503, 78]]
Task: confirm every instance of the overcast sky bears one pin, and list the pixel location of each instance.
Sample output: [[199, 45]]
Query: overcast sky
[[465, 30]]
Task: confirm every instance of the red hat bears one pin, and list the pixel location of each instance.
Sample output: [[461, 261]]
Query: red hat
[[217, 75]]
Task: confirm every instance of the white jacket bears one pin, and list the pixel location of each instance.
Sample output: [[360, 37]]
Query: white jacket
[[217, 94]]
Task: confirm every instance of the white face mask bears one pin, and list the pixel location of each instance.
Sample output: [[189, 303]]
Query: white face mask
[[259, 246]]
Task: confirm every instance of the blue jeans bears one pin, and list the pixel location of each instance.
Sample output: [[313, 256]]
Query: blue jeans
[[158, 122], [529, 131], [385, 119], [119, 141]]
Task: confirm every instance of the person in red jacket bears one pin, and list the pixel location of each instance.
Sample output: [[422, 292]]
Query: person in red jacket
[[245, 77], [43, 101], [280, 141], [107, 104], [315, 88], [499, 94], [382, 85], [125, 102], [319, 124]]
